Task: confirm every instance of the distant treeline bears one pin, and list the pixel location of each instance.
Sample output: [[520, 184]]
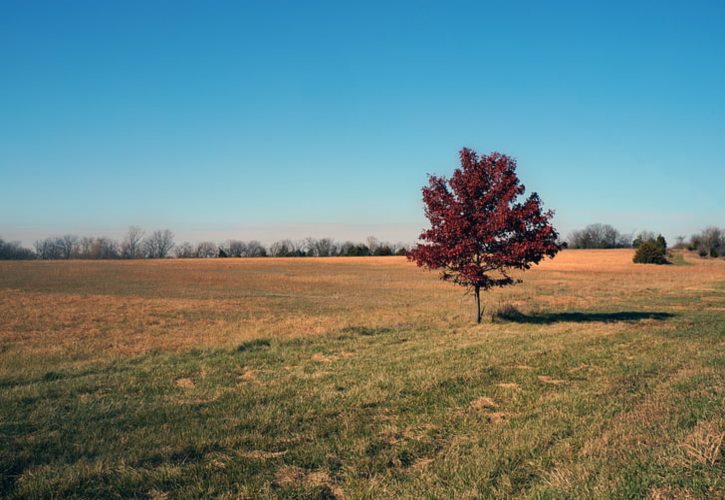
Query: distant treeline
[[160, 245], [136, 244], [710, 242]]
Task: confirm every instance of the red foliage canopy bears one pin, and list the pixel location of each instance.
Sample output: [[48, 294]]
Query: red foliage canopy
[[478, 227]]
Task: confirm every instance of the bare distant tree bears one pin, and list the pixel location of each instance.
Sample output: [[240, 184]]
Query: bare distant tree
[[610, 236], [67, 246], [281, 248], [85, 248], [45, 249], [309, 247], [325, 247], [235, 248], [132, 245], [206, 249], [623, 240], [159, 244], [598, 236], [255, 249], [714, 239], [98, 248], [62, 247], [299, 249], [13, 250], [710, 242], [373, 244], [184, 251], [106, 248]]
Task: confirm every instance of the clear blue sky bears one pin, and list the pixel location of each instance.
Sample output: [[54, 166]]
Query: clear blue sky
[[239, 119]]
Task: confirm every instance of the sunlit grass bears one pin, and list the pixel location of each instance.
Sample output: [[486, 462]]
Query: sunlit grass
[[360, 378]]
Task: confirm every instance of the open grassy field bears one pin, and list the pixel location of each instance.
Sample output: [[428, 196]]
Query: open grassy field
[[361, 377]]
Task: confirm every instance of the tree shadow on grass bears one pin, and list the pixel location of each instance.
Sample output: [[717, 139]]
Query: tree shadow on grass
[[585, 317]]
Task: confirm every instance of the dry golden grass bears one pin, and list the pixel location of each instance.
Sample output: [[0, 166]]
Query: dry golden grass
[[111, 308], [361, 377]]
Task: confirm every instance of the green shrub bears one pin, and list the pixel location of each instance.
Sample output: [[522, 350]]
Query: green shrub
[[383, 250], [661, 242], [650, 252]]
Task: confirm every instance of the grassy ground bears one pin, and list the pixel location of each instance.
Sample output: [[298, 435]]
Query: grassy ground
[[361, 378]]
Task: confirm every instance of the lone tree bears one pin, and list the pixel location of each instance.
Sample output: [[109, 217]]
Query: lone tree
[[479, 230]]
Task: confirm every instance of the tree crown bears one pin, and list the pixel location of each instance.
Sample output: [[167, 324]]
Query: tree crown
[[479, 230]]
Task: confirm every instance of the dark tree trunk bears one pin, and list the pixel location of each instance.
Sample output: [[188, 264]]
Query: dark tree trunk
[[477, 293]]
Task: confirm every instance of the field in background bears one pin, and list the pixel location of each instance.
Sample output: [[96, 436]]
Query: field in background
[[355, 377]]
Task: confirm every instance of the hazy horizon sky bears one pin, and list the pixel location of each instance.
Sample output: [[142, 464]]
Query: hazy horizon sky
[[269, 120]]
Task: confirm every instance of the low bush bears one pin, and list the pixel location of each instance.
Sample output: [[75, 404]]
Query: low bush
[[650, 252]]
